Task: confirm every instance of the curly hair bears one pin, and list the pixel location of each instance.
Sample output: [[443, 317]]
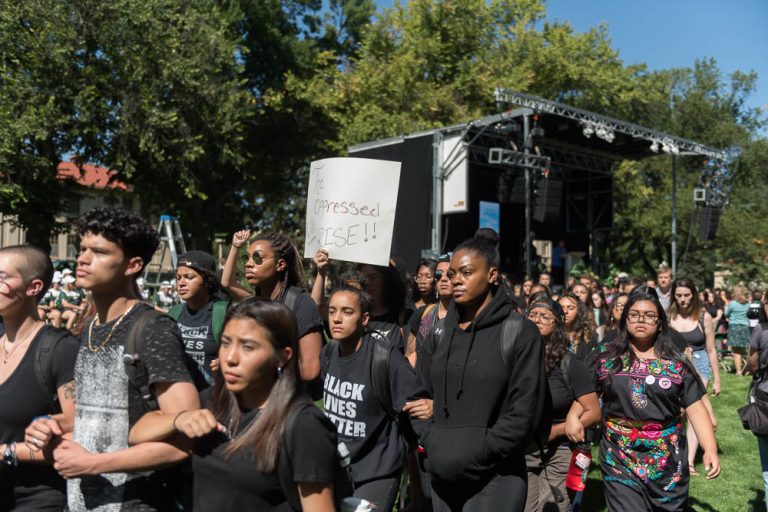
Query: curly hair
[[355, 282], [131, 233], [556, 345], [581, 324]]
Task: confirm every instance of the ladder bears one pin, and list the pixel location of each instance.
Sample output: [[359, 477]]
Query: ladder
[[171, 244]]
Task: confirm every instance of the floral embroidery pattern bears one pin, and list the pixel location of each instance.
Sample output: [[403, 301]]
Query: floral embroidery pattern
[[638, 370], [643, 448]]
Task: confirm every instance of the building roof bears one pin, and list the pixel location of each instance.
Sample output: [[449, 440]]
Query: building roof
[[92, 176]]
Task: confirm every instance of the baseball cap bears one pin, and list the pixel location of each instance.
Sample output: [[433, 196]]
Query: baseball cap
[[197, 260]]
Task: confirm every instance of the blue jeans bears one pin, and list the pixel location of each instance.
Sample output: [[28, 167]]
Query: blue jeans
[[762, 444]]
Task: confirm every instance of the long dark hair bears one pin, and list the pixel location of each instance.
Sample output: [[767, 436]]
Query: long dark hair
[[263, 437], [582, 326], [694, 309], [556, 345], [393, 288], [285, 249], [611, 324], [663, 345]]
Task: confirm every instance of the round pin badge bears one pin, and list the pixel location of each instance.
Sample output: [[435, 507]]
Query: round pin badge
[[650, 379], [665, 383]]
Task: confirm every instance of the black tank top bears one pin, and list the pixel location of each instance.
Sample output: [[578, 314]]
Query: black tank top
[[695, 338]]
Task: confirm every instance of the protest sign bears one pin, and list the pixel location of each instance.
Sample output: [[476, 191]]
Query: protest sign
[[351, 209]]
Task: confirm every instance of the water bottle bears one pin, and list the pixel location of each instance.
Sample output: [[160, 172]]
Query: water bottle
[[576, 479]]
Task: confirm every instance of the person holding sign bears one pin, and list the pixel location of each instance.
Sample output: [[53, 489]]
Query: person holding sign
[[273, 269]]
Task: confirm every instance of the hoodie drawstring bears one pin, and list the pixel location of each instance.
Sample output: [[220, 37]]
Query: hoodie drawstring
[[466, 359], [445, 375]]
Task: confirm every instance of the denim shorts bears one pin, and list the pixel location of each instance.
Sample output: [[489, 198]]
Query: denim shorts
[[701, 362]]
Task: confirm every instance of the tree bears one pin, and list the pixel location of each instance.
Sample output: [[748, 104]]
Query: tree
[[152, 89], [37, 84]]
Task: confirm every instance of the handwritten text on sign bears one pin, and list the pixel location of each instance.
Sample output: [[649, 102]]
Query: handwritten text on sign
[[351, 209]]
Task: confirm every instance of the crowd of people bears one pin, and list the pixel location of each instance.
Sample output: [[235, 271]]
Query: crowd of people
[[450, 388]]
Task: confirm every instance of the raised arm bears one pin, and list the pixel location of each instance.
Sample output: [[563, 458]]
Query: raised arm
[[318, 285], [228, 280]]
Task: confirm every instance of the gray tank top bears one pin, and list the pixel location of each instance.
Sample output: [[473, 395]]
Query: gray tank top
[[695, 338]]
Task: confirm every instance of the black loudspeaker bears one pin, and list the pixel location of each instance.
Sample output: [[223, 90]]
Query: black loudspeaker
[[546, 203], [710, 219]]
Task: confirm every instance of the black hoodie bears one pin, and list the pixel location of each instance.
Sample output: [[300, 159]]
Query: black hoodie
[[483, 410]]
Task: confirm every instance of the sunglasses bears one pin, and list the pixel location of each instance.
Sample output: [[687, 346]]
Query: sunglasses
[[257, 258], [439, 275]]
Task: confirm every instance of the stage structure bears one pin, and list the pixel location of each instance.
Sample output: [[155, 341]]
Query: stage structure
[[549, 166]]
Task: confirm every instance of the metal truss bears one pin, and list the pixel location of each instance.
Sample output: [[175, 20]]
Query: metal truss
[[503, 156], [594, 123]]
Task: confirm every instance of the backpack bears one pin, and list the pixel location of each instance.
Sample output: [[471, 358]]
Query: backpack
[[382, 346], [217, 321], [44, 360], [134, 366]]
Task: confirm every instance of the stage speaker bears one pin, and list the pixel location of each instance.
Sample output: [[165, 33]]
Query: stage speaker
[[710, 219], [547, 200]]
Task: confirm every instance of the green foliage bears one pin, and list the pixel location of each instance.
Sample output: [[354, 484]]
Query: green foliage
[[213, 109]]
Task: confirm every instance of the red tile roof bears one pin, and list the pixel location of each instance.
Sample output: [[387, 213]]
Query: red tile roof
[[91, 176]]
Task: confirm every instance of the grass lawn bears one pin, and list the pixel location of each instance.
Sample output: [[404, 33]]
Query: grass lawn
[[739, 488]]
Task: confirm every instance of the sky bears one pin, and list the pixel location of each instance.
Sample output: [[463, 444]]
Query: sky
[[666, 34]]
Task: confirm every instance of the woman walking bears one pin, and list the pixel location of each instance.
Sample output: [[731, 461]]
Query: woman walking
[[645, 383]]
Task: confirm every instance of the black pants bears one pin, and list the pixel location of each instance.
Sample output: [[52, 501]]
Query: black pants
[[500, 493]]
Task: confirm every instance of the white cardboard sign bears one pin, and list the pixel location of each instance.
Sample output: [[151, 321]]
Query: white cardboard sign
[[351, 209]]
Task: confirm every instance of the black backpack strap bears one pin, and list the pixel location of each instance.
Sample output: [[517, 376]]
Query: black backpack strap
[[44, 362], [382, 346], [510, 329], [291, 294], [133, 361]]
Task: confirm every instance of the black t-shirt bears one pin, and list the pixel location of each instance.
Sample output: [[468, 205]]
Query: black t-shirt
[[307, 315], [197, 332], [375, 445], [107, 406], [647, 389], [21, 400], [388, 328], [237, 485], [581, 383]]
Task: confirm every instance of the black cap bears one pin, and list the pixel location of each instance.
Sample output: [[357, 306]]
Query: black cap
[[197, 260]]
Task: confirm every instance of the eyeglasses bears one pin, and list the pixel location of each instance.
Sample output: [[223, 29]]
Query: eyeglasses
[[544, 318], [620, 306], [647, 318], [257, 258], [423, 279], [439, 274], [4, 276]]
